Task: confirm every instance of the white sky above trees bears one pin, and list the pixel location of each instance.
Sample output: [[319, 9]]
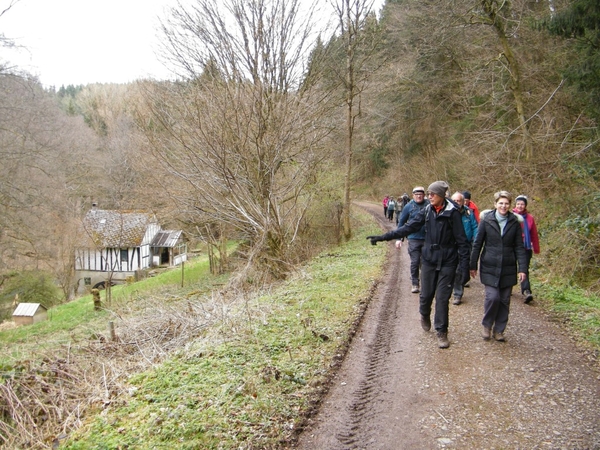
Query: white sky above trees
[[86, 41]]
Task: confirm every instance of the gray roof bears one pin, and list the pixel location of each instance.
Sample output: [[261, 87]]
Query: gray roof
[[107, 228], [27, 309], [166, 238]]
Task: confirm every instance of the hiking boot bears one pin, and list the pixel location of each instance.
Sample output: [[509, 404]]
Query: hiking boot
[[415, 289], [468, 284], [486, 333], [499, 336], [528, 296], [457, 300], [425, 322], [443, 340]]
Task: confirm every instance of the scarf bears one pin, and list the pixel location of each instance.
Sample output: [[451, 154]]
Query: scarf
[[526, 233]]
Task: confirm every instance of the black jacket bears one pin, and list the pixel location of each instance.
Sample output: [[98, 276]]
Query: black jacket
[[445, 239], [499, 254]]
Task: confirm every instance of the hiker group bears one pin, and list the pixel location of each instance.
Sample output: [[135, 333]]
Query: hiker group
[[450, 241]]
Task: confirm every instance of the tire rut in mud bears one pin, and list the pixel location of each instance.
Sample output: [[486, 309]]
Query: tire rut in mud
[[363, 406]]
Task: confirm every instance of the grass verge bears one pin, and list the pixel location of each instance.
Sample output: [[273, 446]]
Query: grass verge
[[577, 307], [250, 382]]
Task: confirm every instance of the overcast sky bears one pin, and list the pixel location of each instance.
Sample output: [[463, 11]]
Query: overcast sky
[[86, 41]]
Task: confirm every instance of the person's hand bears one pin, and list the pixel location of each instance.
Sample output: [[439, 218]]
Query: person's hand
[[473, 273], [374, 239], [398, 243], [522, 277]]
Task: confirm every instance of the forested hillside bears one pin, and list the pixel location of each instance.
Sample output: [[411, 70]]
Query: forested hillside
[[269, 132]]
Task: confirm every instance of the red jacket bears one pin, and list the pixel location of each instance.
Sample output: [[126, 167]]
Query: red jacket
[[534, 240], [475, 209]]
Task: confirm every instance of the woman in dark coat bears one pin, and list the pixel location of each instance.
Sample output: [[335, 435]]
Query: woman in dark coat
[[503, 262]]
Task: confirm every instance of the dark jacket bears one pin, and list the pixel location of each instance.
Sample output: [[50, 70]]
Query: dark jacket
[[445, 240], [409, 212], [499, 254]]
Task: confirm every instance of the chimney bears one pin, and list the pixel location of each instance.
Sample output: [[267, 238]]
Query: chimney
[[94, 206]]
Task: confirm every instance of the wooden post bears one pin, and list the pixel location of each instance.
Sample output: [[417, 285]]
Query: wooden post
[[111, 329], [182, 272], [96, 298]]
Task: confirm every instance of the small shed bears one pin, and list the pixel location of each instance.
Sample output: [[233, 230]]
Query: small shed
[[168, 248], [30, 313]]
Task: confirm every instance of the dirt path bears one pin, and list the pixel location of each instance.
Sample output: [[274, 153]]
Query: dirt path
[[397, 390]]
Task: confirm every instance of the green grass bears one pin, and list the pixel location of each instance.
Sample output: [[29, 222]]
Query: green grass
[[251, 389], [580, 309], [78, 320]]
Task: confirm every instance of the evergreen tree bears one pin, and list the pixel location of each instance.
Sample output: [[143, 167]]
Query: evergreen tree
[[581, 22]]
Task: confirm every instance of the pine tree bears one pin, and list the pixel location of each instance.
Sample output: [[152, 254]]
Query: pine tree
[[581, 22]]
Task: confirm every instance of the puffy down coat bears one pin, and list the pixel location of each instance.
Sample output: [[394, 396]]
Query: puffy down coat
[[500, 254]]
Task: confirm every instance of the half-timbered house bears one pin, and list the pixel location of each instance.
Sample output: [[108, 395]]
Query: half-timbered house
[[117, 245]]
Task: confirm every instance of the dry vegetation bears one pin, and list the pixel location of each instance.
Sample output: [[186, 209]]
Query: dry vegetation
[[57, 390]]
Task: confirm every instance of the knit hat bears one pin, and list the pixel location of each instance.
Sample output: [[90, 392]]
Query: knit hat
[[521, 197], [420, 189], [438, 188], [467, 195]]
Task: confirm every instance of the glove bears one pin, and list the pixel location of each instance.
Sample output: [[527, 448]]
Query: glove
[[374, 239]]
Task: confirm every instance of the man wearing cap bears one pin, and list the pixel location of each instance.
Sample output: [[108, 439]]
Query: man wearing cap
[[445, 248], [417, 239], [471, 204]]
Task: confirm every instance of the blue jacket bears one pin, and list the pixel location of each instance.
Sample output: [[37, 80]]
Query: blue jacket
[[469, 222], [409, 212]]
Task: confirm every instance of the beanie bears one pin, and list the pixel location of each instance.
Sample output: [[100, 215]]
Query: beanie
[[438, 188], [467, 195], [521, 197]]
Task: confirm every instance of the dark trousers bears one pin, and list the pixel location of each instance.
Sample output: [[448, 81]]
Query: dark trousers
[[496, 306], [415, 247], [436, 283], [526, 285], [459, 288]]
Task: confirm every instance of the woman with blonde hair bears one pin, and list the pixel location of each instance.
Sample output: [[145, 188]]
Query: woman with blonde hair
[[499, 250]]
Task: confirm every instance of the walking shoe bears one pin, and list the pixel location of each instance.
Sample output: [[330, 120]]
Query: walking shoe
[[443, 340], [425, 322], [457, 300], [499, 336], [415, 289], [468, 284], [528, 296], [486, 333]]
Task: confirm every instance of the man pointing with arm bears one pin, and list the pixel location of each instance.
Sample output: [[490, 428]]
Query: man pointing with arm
[[445, 248]]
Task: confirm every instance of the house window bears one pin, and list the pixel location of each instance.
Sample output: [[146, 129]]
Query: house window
[[124, 255]]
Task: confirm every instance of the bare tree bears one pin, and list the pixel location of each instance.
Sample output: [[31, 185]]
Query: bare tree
[[43, 172], [238, 132], [352, 16]]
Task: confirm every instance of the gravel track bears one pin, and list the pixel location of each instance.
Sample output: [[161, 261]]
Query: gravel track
[[397, 390]]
